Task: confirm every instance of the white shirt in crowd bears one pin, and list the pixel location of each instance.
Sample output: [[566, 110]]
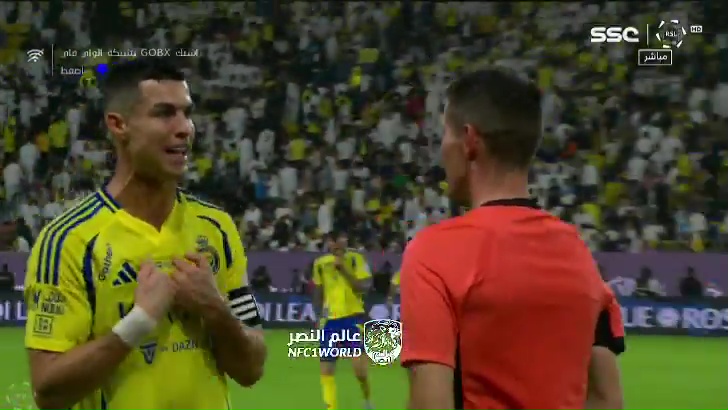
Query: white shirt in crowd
[[30, 214], [345, 148], [589, 175], [341, 179], [61, 182], [698, 223], [289, 181], [636, 167], [265, 145], [357, 200], [253, 215], [411, 209], [324, 219], [22, 245], [28, 154], [12, 175], [51, 210], [246, 155], [235, 118], [652, 232]]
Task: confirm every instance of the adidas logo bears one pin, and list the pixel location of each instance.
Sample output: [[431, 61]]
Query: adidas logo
[[126, 275], [149, 350]]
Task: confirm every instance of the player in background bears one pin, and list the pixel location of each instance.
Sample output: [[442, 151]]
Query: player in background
[[138, 296], [393, 290], [341, 278], [503, 307]]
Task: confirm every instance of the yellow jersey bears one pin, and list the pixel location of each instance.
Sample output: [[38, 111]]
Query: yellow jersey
[[395, 279], [340, 300], [80, 282]]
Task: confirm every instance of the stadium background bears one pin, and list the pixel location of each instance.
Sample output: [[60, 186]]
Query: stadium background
[[321, 116]]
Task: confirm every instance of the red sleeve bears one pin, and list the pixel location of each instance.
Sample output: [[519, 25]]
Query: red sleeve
[[610, 328], [429, 332]]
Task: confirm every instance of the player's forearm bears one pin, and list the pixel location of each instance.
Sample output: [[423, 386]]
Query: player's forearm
[[66, 378], [239, 350]]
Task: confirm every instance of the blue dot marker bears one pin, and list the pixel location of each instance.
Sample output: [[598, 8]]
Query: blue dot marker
[[102, 69]]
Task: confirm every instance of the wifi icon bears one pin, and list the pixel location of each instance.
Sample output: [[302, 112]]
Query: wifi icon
[[34, 55]]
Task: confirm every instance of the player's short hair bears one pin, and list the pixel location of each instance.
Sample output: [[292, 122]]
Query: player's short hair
[[120, 87], [503, 108]]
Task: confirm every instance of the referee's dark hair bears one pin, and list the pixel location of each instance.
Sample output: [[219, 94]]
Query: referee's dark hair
[[120, 86], [503, 109]]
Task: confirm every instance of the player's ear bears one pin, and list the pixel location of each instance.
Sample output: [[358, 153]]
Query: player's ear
[[116, 125], [470, 140]]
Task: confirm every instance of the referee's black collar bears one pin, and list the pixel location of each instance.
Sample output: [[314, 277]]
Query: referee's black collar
[[522, 202]]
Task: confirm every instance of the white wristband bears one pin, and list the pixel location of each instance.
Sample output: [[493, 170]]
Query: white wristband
[[135, 326]]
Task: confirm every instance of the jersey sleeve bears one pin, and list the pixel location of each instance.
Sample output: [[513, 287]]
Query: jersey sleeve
[[317, 274], [361, 267], [610, 327], [427, 314], [239, 294], [59, 311]]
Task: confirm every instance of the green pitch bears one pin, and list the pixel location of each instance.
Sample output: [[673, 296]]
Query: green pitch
[[658, 372]]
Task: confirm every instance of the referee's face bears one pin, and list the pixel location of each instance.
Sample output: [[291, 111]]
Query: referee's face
[[161, 130]]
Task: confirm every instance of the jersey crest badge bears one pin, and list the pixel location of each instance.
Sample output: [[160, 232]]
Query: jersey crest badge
[[213, 257], [383, 340], [149, 350]]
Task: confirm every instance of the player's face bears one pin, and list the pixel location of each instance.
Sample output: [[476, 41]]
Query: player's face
[[456, 164], [337, 245], [159, 130]]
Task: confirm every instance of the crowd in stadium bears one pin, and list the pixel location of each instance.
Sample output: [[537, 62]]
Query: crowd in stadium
[[314, 117]]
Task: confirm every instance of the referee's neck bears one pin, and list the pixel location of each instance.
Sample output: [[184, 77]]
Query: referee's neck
[[150, 201], [503, 185]]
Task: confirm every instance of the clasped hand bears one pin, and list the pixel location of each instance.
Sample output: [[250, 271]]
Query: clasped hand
[[190, 288]]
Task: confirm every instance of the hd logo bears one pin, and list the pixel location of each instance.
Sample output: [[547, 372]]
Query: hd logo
[[126, 275]]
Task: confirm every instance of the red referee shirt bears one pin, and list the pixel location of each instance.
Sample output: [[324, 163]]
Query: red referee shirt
[[508, 296]]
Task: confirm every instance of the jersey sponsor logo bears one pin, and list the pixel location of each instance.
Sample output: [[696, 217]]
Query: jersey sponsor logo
[[107, 264], [149, 351], [51, 302], [126, 275], [43, 325], [211, 254], [383, 340]]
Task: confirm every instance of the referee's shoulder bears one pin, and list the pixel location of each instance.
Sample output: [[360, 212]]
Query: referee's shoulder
[[433, 237]]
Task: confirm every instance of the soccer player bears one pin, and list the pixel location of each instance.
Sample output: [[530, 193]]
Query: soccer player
[[341, 278], [503, 307], [138, 296]]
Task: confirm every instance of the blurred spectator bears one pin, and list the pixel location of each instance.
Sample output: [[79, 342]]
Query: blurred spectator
[[690, 285], [647, 285], [316, 116], [299, 282], [382, 278], [260, 280], [7, 279]]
